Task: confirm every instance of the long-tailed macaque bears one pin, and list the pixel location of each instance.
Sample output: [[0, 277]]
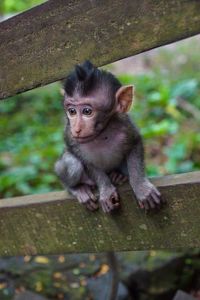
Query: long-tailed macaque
[[103, 146]]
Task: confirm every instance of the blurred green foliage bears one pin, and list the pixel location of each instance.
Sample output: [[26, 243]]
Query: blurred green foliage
[[31, 124], [31, 142], [13, 6], [172, 135]]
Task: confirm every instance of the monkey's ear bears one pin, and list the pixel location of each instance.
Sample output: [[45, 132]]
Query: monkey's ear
[[62, 92], [124, 97]]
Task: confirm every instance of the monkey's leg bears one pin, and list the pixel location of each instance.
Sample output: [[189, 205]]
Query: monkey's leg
[[146, 193], [108, 196], [71, 172]]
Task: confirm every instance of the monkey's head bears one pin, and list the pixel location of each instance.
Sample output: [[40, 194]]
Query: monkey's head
[[91, 97]]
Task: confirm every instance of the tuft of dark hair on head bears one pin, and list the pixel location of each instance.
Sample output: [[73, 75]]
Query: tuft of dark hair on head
[[70, 84], [86, 78], [84, 71], [81, 77], [80, 73], [88, 65]]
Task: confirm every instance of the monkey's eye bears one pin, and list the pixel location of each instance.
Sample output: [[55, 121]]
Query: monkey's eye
[[71, 111], [87, 111]]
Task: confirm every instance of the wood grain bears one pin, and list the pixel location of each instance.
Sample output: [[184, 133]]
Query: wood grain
[[55, 223], [43, 44]]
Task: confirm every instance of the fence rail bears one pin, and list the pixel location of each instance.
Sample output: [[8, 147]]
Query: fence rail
[[56, 223], [41, 45]]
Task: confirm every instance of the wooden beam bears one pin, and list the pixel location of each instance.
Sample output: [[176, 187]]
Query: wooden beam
[[55, 223], [43, 44]]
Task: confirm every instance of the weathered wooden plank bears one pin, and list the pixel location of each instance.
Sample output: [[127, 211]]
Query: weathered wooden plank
[[41, 45], [55, 223]]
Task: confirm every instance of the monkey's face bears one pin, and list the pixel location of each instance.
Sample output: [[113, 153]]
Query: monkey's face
[[88, 116], [83, 117]]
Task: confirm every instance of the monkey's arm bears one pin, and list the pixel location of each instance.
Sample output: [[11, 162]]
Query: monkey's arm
[[72, 175], [108, 196], [146, 193]]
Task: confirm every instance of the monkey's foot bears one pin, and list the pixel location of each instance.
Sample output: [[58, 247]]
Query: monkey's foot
[[109, 200], [148, 196], [86, 197], [118, 178]]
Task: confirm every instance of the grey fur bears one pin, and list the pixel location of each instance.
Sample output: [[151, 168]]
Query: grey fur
[[110, 142], [118, 147]]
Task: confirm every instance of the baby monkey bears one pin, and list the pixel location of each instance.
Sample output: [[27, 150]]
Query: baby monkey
[[103, 146]]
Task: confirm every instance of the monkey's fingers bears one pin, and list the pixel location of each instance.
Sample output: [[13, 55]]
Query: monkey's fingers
[[88, 202], [83, 198], [146, 204], [151, 202], [118, 178], [105, 206], [157, 191], [141, 205], [115, 206], [156, 198], [86, 194], [121, 179], [88, 198], [110, 202], [113, 176], [91, 205], [114, 198], [163, 200], [124, 179], [90, 194]]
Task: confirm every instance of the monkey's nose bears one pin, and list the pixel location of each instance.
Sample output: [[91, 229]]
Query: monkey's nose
[[78, 130]]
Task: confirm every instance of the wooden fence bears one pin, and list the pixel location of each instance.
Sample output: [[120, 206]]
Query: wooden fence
[[40, 46]]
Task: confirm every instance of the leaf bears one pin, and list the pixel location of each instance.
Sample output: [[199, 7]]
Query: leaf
[[38, 286], [186, 89], [103, 270], [41, 260]]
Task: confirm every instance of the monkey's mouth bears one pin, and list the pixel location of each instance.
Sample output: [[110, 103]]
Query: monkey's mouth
[[87, 139], [84, 139]]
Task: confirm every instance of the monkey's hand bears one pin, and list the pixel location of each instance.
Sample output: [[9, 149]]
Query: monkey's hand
[[147, 195], [109, 199], [85, 196]]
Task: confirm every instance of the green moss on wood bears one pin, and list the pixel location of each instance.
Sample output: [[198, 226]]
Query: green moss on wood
[[55, 223]]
